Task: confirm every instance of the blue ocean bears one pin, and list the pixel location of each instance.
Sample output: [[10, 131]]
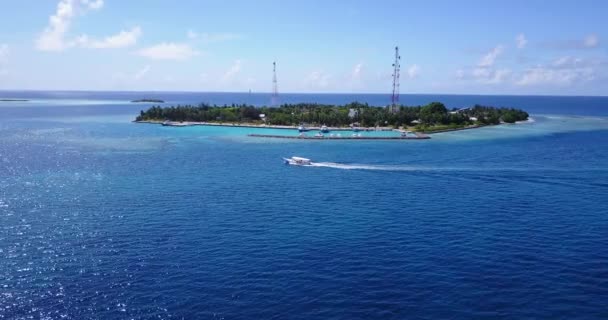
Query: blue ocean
[[102, 218]]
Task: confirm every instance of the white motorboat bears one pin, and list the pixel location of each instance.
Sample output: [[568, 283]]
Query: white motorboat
[[324, 129], [297, 161], [303, 128]]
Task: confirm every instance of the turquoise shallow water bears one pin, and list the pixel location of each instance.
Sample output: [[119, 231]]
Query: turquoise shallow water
[[245, 131], [103, 218]]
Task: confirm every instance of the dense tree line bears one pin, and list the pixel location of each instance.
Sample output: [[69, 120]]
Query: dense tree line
[[432, 114]]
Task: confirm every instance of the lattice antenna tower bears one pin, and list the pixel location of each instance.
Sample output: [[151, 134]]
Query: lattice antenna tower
[[275, 86], [396, 70]]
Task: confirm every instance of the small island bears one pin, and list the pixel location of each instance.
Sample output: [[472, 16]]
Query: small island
[[148, 100], [431, 118], [13, 100]]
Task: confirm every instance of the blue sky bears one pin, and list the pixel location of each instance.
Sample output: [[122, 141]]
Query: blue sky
[[462, 47]]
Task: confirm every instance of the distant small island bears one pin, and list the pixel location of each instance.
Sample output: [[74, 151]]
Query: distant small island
[[13, 100], [148, 100], [431, 118]]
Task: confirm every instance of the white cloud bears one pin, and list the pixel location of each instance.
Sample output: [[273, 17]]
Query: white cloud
[[212, 37], [480, 72], [491, 76], [218, 37], [92, 4], [484, 75], [317, 80], [460, 74], [233, 71], [413, 71], [168, 51], [52, 38], [563, 71], [542, 75], [250, 81], [4, 52], [120, 40], [489, 59], [591, 41], [521, 41], [485, 72], [131, 78], [356, 80], [192, 34], [141, 73], [357, 71], [568, 62]]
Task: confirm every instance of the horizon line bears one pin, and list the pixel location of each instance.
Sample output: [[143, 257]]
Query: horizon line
[[308, 93]]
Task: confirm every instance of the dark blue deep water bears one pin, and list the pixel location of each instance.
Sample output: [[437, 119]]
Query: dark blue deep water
[[101, 218]]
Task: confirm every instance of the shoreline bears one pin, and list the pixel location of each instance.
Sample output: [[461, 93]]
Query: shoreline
[[476, 126], [258, 126], [418, 135]]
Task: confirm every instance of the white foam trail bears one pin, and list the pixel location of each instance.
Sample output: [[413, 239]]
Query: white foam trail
[[367, 167], [409, 168]]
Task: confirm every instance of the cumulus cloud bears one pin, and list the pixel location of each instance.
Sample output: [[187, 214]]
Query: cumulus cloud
[[544, 75], [318, 80], [168, 51], [591, 41], [562, 71], [92, 4], [119, 40], [521, 41], [488, 59], [232, 71], [568, 62], [485, 72], [142, 72], [460, 74], [218, 37], [191, 34], [357, 71], [413, 71], [212, 37], [491, 76], [54, 36], [3, 53]]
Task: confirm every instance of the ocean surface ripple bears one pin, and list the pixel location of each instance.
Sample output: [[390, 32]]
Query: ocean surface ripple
[[113, 220]]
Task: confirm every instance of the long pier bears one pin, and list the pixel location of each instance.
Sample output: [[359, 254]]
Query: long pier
[[418, 136]]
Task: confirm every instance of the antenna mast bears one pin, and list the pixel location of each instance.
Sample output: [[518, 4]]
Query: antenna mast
[[396, 70], [275, 86]]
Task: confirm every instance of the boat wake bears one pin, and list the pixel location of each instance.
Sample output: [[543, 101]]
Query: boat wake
[[353, 166], [416, 168]]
